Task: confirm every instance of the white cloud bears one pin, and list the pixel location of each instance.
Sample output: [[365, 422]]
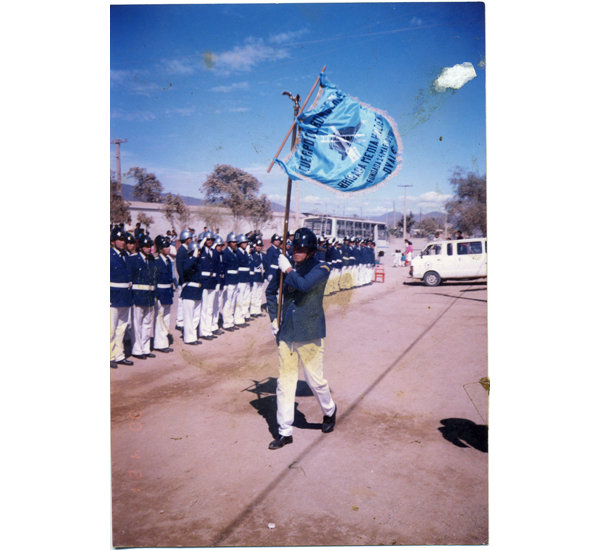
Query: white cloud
[[140, 116], [133, 82], [416, 22], [185, 66], [183, 111], [454, 77], [239, 110], [244, 58], [234, 86], [427, 202], [284, 37]]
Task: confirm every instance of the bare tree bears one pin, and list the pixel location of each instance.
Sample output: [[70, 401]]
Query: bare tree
[[233, 188], [147, 188], [259, 212], [119, 207], [212, 217], [145, 220], [175, 210], [467, 210]]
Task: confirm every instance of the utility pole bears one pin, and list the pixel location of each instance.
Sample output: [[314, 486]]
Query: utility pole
[[117, 143], [404, 226]]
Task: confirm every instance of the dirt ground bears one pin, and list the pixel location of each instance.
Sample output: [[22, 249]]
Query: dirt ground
[[407, 463]]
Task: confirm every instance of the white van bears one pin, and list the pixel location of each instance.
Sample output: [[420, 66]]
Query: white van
[[440, 260]]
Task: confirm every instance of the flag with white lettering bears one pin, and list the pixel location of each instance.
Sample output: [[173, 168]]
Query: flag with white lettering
[[343, 144]]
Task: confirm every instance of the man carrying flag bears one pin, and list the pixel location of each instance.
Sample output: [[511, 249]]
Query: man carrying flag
[[301, 337]]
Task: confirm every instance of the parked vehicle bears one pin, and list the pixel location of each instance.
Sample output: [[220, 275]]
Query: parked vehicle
[[446, 260]]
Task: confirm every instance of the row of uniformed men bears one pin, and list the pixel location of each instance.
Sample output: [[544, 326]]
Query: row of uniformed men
[[213, 277]]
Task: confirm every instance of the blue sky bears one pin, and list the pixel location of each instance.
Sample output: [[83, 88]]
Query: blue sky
[[198, 85]]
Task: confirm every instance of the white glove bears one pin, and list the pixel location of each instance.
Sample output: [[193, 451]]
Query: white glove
[[274, 327], [283, 262]]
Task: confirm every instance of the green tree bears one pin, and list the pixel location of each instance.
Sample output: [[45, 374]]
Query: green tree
[[147, 188], [233, 188], [467, 209], [119, 207], [175, 210]]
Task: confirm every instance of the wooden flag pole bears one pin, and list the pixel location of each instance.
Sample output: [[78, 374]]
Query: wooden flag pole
[[293, 127], [286, 217]]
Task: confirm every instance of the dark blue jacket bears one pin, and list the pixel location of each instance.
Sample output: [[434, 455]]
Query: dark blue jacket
[[259, 262], [219, 268], [272, 255], [231, 266], [302, 309], [192, 274], [244, 265], [120, 275], [208, 274], [180, 257], [164, 276], [143, 272], [346, 255]]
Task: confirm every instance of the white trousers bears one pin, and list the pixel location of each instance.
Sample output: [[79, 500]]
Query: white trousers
[[229, 300], [242, 303], [161, 327], [119, 317], [142, 329], [310, 355], [191, 319], [217, 307], [179, 320], [206, 311], [256, 297]]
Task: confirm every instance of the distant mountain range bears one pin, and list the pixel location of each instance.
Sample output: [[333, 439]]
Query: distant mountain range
[[127, 192], [193, 201]]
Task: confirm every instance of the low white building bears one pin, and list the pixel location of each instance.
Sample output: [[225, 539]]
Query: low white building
[[213, 217]]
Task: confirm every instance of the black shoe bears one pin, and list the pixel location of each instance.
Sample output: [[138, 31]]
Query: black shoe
[[329, 422], [255, 315], [208, 337], [163, 350], [151, 355], [124, 362], [218, 332], [196, 343], [179, 328], [243, 325], [281, 441], [138, 356], [113, 365], [230, 329]]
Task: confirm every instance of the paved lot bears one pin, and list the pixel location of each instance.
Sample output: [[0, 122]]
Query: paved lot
[[406, 464]]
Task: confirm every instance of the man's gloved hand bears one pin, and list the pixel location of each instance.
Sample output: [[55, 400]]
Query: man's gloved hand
[[275, 327], [284, 263]]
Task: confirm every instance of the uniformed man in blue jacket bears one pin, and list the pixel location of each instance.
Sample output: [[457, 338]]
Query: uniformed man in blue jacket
[[301, 336], [231, 282], [143, 273], [185, 238], [259, 260], [242, 302], [121, 297], [165, 288], [209, 284], [220, 270], [273, 253], [191, 294]]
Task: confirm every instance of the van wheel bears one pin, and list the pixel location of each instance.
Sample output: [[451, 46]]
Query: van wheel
[[431, 278]]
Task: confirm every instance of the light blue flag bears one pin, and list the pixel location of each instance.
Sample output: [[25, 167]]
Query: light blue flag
[[343, 144]]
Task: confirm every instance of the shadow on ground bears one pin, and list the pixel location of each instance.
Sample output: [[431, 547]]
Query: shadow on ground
[[465, 433], [266, 404]]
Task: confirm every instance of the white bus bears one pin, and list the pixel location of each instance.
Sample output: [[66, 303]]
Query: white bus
[[334, 226]]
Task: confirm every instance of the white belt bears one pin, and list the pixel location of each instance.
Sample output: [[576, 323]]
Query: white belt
[[164, 286], [143, 287], [120, 285], [232, 271], [244, 269], [206, 274], [198, 285], [274, 266]]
